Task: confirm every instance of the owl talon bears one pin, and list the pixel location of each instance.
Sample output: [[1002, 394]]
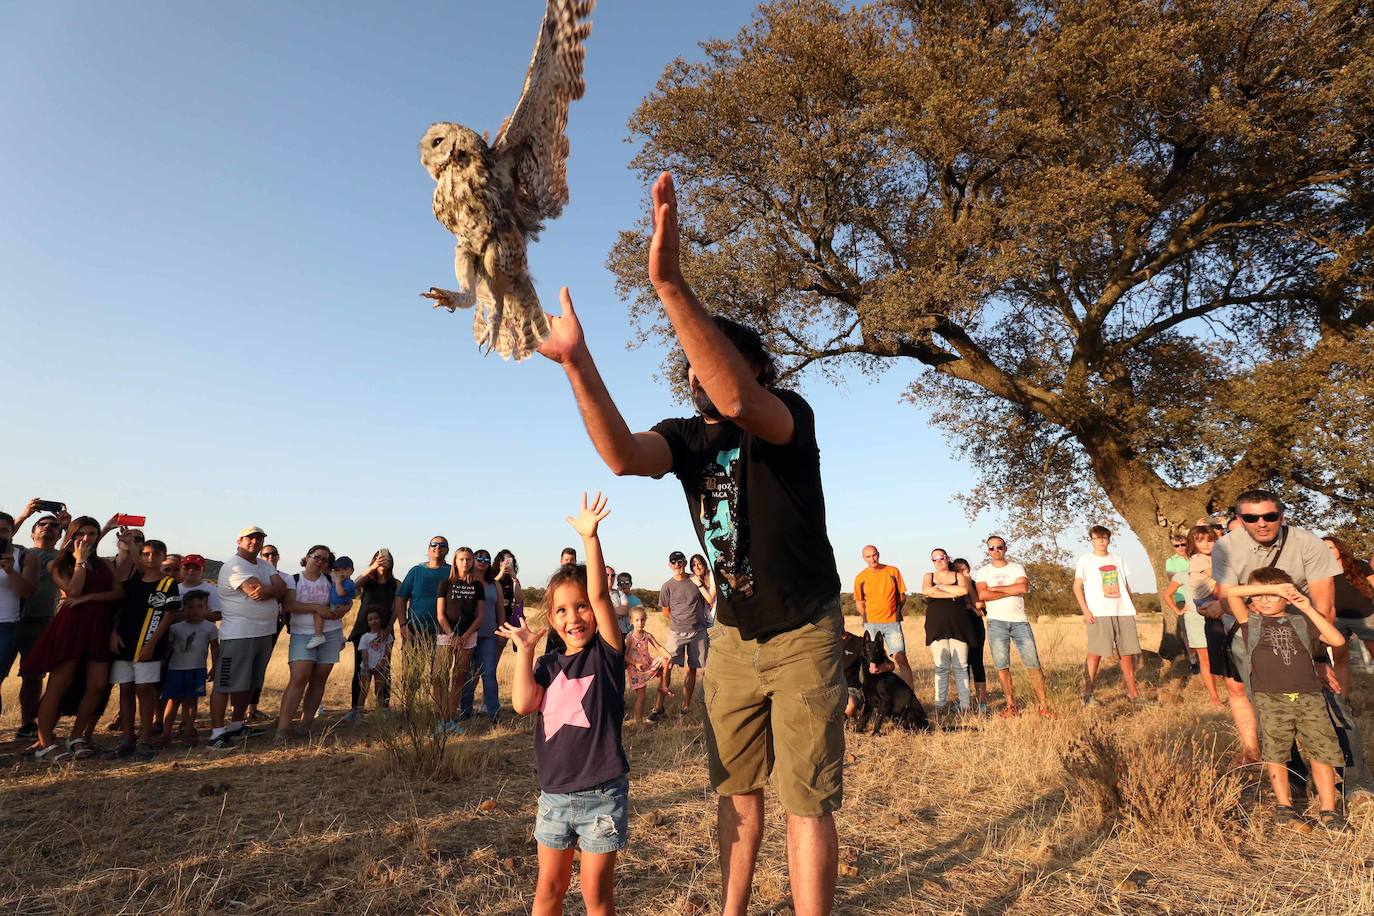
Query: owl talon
[[447, 299]]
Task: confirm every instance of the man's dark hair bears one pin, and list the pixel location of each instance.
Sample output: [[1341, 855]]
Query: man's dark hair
[[1259, 496], [158, 546], [750, 345], [5, 516], [998, 536]]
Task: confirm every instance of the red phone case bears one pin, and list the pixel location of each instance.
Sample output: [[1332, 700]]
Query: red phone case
[[131, 521]]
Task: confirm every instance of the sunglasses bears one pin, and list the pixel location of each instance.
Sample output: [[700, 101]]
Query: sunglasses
[[1251, 518], [997, 549], [481, 559], [939, 559], [677, 562], [443, 544]]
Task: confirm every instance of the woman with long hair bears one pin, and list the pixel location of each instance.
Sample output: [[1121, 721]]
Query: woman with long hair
[[705, 582], [487, 651], [1354, 605], [78, 637], [462, 598], [310, 668], [977, 637], [512, 593], [376, 589]]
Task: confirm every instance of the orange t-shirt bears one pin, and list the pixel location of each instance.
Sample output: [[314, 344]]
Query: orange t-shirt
[[879, 588]]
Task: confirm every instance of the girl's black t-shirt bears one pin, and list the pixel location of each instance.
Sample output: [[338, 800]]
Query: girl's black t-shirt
[[460, 607], [577, 733]]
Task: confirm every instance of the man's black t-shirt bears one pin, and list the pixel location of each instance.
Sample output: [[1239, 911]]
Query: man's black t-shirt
[[460, 606], [760, 516], [143, 608]]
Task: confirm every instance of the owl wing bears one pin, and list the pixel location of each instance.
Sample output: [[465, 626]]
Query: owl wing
[[533, 138]]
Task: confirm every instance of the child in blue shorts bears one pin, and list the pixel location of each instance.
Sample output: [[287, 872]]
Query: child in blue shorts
[[183, 684], [579, 694]]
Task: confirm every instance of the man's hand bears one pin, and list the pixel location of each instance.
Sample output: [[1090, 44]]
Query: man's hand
[[565, 342], [664, 269], [525, 637], [1328, 673]]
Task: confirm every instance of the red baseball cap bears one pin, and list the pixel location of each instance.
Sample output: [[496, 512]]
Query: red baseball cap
[[193, 559]]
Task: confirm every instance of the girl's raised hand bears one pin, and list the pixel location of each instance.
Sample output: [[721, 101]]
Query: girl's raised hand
[[590, 516], [524, 636]]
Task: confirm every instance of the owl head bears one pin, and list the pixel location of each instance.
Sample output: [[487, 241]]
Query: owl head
[[445, 146]]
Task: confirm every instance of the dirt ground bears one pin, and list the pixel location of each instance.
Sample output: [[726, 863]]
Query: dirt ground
[[1114, 810]]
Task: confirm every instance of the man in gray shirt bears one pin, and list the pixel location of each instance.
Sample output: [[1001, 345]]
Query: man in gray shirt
[[685, 607], [1265, 540]]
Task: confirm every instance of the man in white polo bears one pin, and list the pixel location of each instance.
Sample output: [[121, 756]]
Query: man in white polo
[[249, 591]]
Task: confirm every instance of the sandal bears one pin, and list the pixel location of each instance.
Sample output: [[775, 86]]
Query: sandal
[[53, 753], [1334, 822], [80, 748], [1011, 711]]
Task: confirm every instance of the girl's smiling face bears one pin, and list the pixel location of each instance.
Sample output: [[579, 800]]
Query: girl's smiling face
[[572, 617]]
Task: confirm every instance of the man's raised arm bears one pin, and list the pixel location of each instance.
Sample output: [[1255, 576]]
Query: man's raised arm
[[625, 453], [729, 381]]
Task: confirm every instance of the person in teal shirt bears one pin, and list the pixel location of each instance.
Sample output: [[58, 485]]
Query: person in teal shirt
[[418, 597], [1178, 563]]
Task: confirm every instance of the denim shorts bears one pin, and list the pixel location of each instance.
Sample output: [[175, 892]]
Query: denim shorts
[[327, 654], [1002, 633], [597, 819], [1356, 628], [893, 639]]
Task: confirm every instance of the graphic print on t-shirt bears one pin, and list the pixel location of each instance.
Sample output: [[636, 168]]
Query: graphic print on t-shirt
[[562, 703], [1282, 641], [723, 524], [1111, 581]]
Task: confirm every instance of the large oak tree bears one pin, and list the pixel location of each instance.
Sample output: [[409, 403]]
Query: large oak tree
[[1126, 242]]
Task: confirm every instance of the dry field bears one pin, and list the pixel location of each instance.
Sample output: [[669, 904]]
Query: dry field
[[1117, 811]]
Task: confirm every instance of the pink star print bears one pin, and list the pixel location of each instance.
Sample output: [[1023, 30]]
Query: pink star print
[[562, 703]]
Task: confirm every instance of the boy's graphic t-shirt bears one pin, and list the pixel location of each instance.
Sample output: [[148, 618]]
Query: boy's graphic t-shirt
[[144, 606], [190, 643], [1280, 663], [577, 733], [1104, 585]]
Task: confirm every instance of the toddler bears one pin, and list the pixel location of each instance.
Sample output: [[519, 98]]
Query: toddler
[[340, 596], [645, 659], [374, 654]]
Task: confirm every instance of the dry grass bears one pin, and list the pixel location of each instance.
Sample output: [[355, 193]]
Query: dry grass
[[1120, 811]]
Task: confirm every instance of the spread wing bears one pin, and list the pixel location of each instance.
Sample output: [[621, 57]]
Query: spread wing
[[534, 137]]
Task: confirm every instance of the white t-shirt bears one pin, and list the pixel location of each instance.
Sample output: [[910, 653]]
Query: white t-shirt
[[1104, 585], [316, 592], [9, 598], [215, 605], [377, 648], [245, 618], [1009, 610]]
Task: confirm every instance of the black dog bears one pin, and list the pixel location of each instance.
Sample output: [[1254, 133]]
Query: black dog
[[885, 693]]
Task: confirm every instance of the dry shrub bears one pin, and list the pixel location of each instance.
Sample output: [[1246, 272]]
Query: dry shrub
[[410, 741], [1151, 780]]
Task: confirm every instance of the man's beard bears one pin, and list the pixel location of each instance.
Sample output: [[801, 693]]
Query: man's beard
[[702, 402]]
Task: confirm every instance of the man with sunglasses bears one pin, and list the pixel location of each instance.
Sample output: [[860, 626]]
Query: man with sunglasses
[[688, 644], [1002, 587], [1264, 539], [417, 600]]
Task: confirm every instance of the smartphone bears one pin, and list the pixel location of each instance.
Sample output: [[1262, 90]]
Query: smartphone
[[49, 505], [131, 521]]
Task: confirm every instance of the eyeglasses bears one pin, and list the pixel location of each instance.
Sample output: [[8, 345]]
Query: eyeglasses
[[443, 544], [1250, 518], [481, 559], [323, 558]]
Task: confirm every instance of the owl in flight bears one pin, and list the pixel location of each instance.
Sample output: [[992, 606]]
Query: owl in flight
[[494, 199]]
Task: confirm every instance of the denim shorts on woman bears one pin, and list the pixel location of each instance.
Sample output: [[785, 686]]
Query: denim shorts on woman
[[597, 819], [327, 654]]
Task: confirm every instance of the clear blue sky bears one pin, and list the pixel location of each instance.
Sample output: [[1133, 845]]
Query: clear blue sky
[[215, 229]]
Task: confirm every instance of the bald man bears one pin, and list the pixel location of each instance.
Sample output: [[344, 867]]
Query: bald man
[[880, 595]]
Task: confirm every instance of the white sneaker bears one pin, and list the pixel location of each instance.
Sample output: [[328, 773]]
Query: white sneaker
[[315, 641]]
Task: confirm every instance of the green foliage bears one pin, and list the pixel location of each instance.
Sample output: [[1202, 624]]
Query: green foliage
[[1129, 243]]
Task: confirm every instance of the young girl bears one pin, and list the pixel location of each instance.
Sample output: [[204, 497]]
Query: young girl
[[374, 658], [580, 695], [645, 659], [462, 598]]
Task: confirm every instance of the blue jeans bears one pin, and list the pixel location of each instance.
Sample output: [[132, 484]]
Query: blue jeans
[[1002, 633], [484, 659], [891, 635]]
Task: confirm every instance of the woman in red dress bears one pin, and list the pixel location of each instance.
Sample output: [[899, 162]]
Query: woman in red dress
[[78, 635]]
